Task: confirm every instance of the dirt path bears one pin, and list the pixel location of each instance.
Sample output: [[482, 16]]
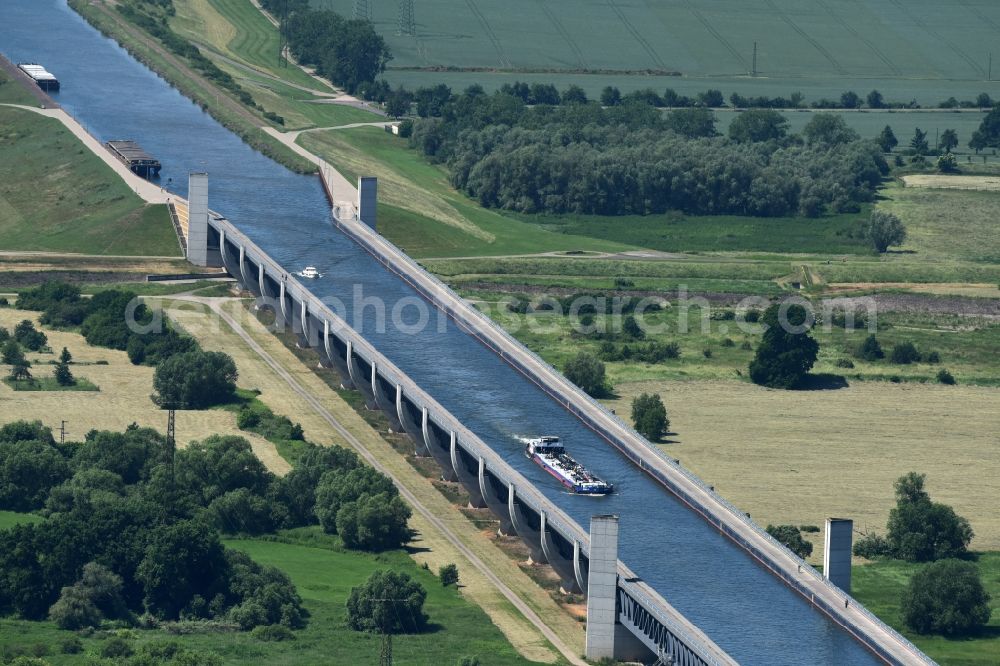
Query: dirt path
[[490, 578]]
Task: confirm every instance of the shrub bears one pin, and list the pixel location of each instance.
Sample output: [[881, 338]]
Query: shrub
[[791, 538], [28, 337], [811, 529], [448, 574], [650, 416], [872, 547], [870, 349], [273, 633], [195, 380], [932, 357], [904, 353], [388, 602], [844, 363], [247, 418], [946, 597], [588, 373], [945, 377], [116, 647], [70, 645], [728, 342], [746, 346]]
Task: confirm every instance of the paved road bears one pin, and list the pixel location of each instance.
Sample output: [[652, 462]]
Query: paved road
[[325, 414]]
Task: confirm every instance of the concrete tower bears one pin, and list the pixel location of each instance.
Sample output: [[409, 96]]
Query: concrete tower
[[602, 587], [197, 242], [367, 199], [837, 552]]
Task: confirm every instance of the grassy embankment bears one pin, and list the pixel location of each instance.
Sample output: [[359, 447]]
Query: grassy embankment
[[56, 196], [241, 41], [219, 103]]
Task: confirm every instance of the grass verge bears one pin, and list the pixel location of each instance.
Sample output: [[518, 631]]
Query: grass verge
[[880, 585], [50, 384], [57, 196]]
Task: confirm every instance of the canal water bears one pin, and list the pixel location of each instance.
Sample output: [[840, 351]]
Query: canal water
[[747, 611]]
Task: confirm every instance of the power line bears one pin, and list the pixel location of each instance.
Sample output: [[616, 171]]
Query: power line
[[407, 24], [364, 9]]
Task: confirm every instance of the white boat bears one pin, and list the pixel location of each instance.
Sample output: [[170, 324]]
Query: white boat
[[309, 272]]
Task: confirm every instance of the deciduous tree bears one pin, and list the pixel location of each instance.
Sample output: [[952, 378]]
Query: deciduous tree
[[884, 229], [946, 597]]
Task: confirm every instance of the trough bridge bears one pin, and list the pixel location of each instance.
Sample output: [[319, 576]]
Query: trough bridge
[[697, 559]]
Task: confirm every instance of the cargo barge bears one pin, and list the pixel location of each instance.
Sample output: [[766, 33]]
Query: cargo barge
[[42, 78], [135, 158], [549, 454]]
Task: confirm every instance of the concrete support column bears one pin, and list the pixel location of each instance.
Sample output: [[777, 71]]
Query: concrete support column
[[530, 534], [334, 356], [283, 310], [304, 324], [260, 281], [358, 378], [367, 199], [494, 500], [580, 566], [440, 451], [468, 479], [410, 427], [602, 587], [197, 240], [384, 403], [837, 552]]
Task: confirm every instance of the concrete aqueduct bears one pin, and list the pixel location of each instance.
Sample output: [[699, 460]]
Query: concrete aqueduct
[[626, 618]]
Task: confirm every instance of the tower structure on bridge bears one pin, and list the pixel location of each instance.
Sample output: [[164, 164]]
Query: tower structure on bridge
[[367, 199], [197, 228], [837, 552], [602, 587], [407, 24]]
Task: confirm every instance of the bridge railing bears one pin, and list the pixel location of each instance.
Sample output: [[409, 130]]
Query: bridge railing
[[470, 316]]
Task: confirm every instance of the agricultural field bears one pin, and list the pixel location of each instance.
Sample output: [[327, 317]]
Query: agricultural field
[[874, 38], [56, 196], [123, 398]]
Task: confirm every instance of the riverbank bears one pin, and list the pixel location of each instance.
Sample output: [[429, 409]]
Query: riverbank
[[218, 103]]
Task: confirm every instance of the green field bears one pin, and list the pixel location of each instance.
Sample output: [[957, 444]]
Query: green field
[[56, 196], [920, 39], [880, 585], [9, 519], [324, 574], [13, 93]]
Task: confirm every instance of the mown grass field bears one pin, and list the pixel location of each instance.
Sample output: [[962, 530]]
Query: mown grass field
[[55, 195], [9, 519], [324, 573], [880, 585]]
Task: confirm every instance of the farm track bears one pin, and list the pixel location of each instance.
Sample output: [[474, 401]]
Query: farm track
[[802, 33], [926, 28], [867, 42], [554, 19], [504, 62], [650, 51], [715, 33]]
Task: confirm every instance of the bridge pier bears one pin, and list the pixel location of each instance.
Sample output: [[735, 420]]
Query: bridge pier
[[409, 423], [525, 526], [384, 402], [434, 445], [555, 547], [358, 377], [333, 356], [495, 493], [469, 479], [246, 283]]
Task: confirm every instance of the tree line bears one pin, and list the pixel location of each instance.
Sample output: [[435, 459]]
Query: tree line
[[348, 52], [633, 159]]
